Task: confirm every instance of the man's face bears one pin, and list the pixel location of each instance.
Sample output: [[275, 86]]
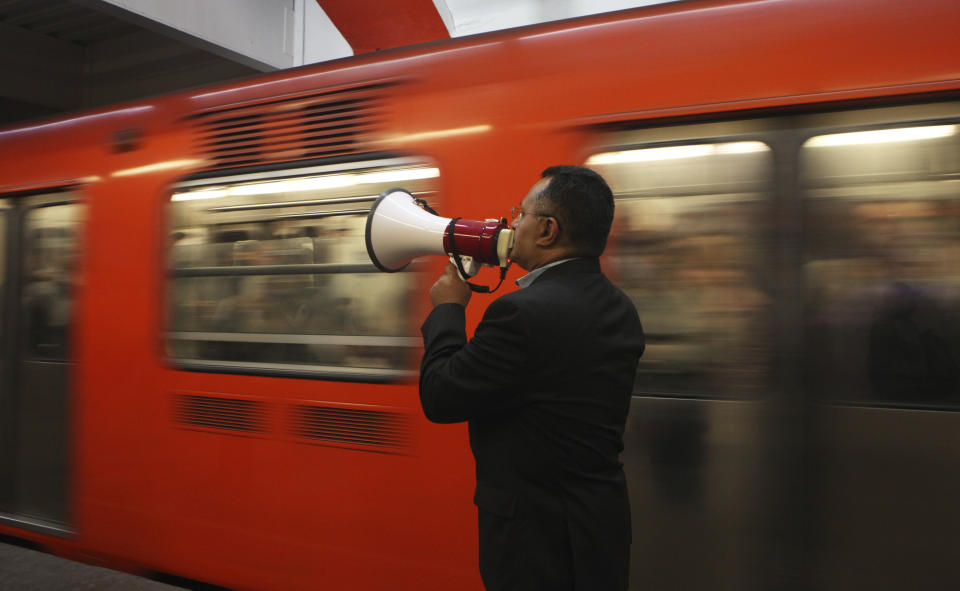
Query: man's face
[[526, 228]]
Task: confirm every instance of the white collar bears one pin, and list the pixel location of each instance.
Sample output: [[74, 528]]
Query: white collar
[[532, 275]]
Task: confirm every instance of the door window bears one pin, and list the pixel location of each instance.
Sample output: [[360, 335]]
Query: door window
[[882, 264], [49, 258], [689, 252]]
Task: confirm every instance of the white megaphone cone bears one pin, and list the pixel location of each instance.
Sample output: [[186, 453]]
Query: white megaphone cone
[[400, 230]]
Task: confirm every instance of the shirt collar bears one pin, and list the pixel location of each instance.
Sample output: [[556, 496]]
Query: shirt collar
[[530, 277]]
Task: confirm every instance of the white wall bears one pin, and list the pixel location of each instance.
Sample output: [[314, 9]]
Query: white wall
[[266, 34], [469, 17], [260, 30], [321, 39]]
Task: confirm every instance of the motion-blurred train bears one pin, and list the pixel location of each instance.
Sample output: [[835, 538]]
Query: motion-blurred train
[[203, 375]]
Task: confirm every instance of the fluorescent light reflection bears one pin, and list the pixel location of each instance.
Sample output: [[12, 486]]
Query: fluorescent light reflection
[[441, 133], [317, 183], [158, 167], [880, 136], [676, 152], [74, 121]]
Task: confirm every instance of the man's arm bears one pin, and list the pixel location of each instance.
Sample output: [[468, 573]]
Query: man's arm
[[462, 380]]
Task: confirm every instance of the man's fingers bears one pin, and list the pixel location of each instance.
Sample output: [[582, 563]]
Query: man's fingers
[[451, 270]]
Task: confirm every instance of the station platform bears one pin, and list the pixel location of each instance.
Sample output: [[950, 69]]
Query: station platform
[[22, 569]]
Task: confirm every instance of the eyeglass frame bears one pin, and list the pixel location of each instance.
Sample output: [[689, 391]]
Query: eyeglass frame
[[516, 212]]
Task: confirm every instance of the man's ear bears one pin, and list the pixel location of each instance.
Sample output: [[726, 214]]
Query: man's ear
[[548, 232]]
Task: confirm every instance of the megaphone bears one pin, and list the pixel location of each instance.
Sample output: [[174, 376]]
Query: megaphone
[[399, 230]]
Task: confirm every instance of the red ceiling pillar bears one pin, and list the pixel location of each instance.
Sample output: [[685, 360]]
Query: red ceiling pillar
[[372, 25]]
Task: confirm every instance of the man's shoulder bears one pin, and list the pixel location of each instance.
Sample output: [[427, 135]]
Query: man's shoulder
[[554, 288], [527, 295], [510, 301], [521, 302], [569, 289]]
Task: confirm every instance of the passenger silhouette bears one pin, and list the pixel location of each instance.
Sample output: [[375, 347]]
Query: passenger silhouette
[[911, 354]]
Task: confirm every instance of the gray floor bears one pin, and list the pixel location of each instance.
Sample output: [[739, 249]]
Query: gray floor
[[27, 570]]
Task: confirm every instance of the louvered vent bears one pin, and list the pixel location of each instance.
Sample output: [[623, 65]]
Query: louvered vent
[[320, 125], [229, 414], [377, 428]]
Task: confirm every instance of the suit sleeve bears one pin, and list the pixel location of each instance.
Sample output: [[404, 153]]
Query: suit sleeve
[[461, 380]]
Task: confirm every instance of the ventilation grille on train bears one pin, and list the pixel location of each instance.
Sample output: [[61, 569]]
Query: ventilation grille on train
[[228, 414], [320, 125], [377, 428]]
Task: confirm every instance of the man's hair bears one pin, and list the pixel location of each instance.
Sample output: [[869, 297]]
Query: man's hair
[[582, 203]]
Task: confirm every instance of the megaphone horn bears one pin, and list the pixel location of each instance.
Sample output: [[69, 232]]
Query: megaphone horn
[[400, 230]]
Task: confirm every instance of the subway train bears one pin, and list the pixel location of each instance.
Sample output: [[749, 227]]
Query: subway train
[[203, 376]]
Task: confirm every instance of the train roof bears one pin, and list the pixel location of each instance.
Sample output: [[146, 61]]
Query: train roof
[[673, 58]]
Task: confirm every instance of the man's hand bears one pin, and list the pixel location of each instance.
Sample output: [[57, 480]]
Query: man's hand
[[450, 289]]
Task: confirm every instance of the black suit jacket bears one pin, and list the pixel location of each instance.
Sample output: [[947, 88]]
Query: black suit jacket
[[545, 384]]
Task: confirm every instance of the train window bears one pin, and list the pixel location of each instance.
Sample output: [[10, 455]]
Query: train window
[[687, 248], [272, 274], [882, 264], [50, 236]]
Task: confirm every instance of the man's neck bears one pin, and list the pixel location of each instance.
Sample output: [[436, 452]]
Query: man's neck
[[551, 257]]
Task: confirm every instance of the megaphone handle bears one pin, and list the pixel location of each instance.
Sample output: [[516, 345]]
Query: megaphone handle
[[467, 266], [472, 266]]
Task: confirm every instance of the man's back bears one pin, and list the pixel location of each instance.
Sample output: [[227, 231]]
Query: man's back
[[545, 385], [551, 493]]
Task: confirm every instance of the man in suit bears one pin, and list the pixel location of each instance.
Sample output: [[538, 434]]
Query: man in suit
[[545, 385]]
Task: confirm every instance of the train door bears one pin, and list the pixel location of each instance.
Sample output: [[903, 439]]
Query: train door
[[690, 248], [881, 278], [37, 279]]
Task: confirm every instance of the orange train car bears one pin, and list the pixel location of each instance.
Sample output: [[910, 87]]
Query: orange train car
[[204, 376]]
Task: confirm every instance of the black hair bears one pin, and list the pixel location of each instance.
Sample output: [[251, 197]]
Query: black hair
[[582, 202]]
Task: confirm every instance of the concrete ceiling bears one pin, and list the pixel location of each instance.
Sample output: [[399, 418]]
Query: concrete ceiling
[[64, 55], [61, 55]]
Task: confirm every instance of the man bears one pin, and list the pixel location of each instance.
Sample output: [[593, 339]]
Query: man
[[545, 384]]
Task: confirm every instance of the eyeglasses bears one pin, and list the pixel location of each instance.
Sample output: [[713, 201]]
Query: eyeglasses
[[516, 212]]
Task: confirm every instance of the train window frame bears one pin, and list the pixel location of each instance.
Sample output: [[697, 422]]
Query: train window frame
[[391, 174], [859, 121], [695, 135]]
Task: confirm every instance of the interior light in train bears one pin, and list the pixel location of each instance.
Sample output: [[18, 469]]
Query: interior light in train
[[309, 184], [395, 176], [879, 136], [675, 152], [294, 185], [201, 194]]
